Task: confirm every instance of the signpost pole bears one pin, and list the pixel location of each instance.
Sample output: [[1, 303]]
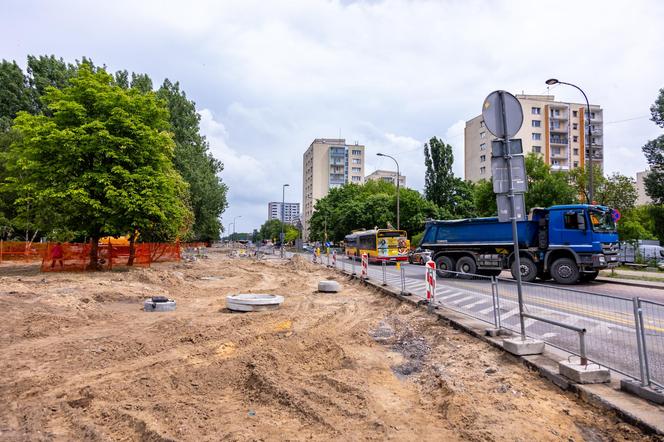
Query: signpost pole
[[513, 215]]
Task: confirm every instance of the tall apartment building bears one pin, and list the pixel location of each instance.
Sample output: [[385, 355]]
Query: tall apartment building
[[554, 129], [387, 175], [642, 197], [291, 211], [328, 163]]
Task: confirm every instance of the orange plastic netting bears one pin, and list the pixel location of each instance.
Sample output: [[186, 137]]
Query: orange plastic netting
[[76, 257], [21, 251]]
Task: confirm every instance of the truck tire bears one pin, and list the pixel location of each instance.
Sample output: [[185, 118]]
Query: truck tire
[[444, 263], [565, 271], [466, 265], [528, 269], [587, 277]]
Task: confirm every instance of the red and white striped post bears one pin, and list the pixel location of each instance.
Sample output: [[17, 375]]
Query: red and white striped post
[[365, 266], [430, 276]]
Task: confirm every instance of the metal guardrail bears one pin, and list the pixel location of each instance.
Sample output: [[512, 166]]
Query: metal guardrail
[[625, 335]]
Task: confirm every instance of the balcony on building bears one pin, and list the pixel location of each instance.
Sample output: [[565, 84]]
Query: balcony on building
[[558, 112], [558, 126], [555, 139]]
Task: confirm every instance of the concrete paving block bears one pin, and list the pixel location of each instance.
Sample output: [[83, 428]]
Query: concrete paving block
[[520, 347], [329, 286], [653, 394], [584, 374], [253, 302]]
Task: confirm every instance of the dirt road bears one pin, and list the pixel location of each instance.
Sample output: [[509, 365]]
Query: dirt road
[[82, 361]]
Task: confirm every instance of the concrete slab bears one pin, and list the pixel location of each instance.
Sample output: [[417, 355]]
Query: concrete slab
[[520, 347], [653, 394], [584, 374], [253, 302], [159, 304]]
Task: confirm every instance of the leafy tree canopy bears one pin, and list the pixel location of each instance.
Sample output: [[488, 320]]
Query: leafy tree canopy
[[99, 162], [271, 231], [366, 206]]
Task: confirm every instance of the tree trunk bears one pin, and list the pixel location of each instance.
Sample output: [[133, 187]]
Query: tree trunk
[[94, 253], [132, 248]]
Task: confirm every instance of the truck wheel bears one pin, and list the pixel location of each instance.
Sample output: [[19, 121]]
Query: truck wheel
[[466, 264], [528, 269], [444, 266], [565, 271], [587, 277]]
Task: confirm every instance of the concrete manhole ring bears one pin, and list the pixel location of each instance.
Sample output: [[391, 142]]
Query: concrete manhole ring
[[253, 302], [159, 304], [329, 286]]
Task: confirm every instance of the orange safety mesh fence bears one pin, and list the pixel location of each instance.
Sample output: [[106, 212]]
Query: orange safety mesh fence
[[76, 256], [21, 251]]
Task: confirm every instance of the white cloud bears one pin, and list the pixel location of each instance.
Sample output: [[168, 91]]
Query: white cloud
[[272, 76]]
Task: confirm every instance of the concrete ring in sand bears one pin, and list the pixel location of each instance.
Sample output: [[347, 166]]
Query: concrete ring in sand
[[253, 302]]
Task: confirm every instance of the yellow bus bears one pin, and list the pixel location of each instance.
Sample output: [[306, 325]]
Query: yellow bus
[[379, 245]]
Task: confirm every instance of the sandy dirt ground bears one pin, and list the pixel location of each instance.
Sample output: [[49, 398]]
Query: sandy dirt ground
[[82, 361]]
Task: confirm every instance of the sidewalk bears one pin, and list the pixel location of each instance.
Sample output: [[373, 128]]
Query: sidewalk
[[629, 275]]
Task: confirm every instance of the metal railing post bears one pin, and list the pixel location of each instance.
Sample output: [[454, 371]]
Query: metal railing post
[[639, 343], [403, 281], [384, 273], [500, 322], [582, 347], [352, 262], [646, 365], [493, 299]]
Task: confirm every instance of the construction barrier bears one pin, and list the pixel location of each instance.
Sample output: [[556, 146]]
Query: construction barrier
[[57, 257], [365, 266], [334, 258], [21, 251], [430, 276]]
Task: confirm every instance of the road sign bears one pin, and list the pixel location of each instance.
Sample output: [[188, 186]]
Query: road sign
[[615, 214], [500, 175], [498, 148], [503, 203], [502, 126]]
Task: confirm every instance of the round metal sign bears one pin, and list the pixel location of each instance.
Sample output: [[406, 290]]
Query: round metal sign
[[615, 214], [502, 114]]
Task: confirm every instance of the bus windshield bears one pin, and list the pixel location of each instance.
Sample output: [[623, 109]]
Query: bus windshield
[[602, 220]]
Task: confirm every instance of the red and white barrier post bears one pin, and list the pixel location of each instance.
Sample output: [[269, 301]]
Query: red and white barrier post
[[365, 266], [430, 276]]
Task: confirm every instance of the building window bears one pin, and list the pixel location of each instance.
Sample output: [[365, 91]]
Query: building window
[[482, 158], [482, 170], [555, 124], [356, 178], [576, 164], [575, 114], [555, 163], [356, 152], [575, 126], [575, 138], [357, 161], [556, 150], [482, 123], [537, 137], [537, 149], [537, 123], [482, 134], [483, 146], [536, 110], [356, 170], [555, 112], [576, 151]]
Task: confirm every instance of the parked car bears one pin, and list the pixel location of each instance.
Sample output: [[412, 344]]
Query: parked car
[[643, 250], [419, 256]]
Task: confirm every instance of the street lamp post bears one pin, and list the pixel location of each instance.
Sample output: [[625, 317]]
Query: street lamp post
[[398, 176], [553, 81], [239, 216], [283, 210]]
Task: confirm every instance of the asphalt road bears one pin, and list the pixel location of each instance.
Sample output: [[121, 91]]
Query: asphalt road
[[604, 310]]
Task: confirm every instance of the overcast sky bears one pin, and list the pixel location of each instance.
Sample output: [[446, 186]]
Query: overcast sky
[[270, 76]]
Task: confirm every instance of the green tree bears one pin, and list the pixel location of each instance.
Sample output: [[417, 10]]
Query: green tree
[[636, 223], [99, 162], [15, 94], [441, 187], [366, 206], [271, 231], [484, 199], [195, 163], [546, 187], [617, 191]]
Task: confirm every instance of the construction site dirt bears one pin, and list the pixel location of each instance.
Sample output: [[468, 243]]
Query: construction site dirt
[[82, 361]]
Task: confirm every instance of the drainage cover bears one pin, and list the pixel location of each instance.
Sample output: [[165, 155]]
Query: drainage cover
[[159, 304], [253, 302]]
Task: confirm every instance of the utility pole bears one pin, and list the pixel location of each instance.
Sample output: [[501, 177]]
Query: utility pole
[[283, 210]]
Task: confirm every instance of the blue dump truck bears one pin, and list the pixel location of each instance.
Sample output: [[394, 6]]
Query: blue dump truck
[[568, 243]]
